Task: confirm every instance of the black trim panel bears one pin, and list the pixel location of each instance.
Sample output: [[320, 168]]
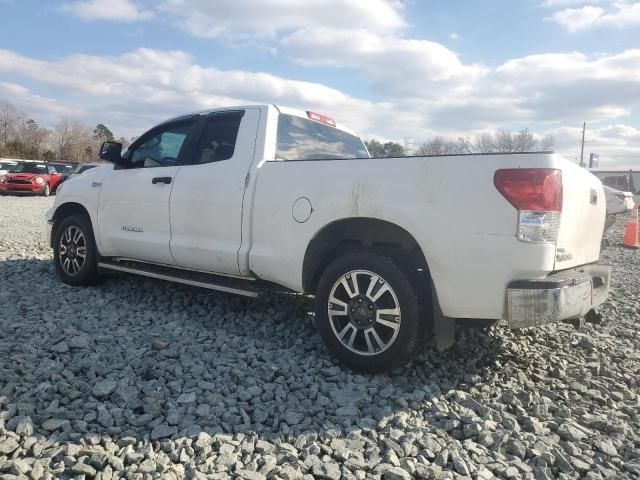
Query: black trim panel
[[561, 279]]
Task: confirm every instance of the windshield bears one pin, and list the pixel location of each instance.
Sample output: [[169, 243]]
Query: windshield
[[302, 139], [7, 166], [30, 168], [64, 167]]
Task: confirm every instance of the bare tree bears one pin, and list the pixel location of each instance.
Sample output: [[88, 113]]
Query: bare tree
[[546, 143], [465, 145], [61, 139], [501, 141], [523, 141], [22, 137], [484, 143], [32, 138], [10, 119], [442, 146], [73, 141]]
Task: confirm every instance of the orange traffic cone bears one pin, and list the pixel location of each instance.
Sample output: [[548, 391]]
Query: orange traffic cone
[[631, 234]]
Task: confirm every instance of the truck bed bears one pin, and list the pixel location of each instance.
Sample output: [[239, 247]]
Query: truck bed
[[464, 226]]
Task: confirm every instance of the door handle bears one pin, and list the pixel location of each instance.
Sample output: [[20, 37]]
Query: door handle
[[166, 180]]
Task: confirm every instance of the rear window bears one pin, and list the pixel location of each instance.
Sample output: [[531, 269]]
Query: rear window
[[303, 139]]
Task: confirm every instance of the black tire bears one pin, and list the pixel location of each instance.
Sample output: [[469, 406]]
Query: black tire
[[411, 331], [87, 273]]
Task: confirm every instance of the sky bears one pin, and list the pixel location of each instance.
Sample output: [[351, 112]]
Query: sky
[[390, 69]]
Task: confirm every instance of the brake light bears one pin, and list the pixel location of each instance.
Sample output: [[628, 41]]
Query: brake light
[[537, 194], [531, 188], [321, 118]]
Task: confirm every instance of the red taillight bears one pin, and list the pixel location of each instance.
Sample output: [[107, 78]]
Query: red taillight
[[537, 189], [321, 118]]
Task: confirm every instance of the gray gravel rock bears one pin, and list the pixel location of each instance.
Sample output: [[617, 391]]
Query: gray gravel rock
[[570, 432], [396, 473], [8, 445], [104, 388], [55, 424], [84, 469], [140, 379], [162, 430]]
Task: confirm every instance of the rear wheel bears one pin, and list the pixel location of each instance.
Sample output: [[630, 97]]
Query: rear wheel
[[75, 253], [367, 312]]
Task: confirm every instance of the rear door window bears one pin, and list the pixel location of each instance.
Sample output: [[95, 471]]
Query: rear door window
[[218, 139], [303, 139]]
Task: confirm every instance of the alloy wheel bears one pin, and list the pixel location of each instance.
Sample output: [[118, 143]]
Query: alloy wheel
[[364, 312], [73, 250]]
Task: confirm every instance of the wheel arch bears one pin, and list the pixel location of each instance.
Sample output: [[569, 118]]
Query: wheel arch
[[65, 210], [351, 233]]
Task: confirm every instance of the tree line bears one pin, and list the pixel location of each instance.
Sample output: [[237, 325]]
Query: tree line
[[501, 141], [69, 140]]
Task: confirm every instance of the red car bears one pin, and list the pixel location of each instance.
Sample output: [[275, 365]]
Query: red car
[[31, 177]]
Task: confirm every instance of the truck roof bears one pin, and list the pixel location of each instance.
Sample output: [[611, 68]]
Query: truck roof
[[263, 106]]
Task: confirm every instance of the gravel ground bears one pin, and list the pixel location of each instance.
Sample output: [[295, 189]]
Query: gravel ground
[[142, 379]]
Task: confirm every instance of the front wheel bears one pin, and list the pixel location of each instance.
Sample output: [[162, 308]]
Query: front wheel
[[74, 251], [367, 312], [46, 191]]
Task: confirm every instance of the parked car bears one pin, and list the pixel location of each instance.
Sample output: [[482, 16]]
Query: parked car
[[83, 167], [250, 198], [627, 180], [617, 202], [5, 167], [30, 177], [66, 169]]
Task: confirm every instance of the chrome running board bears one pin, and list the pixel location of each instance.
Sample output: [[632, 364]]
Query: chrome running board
[[195, 279]]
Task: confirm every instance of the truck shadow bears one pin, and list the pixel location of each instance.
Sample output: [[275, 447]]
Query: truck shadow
[[140, 358]]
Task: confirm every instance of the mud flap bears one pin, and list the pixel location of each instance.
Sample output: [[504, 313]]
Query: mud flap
[[444, 328]]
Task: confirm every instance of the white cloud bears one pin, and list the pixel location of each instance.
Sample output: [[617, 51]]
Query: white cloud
[[139, 88], [454, 36], [42, 109], [614, 14], [427, 88], [136, 90], [239, 18], [113, 10], [395, 66], [567, 3], [617, 144]]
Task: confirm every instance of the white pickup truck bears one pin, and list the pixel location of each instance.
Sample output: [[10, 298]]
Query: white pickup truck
[[393, 249]]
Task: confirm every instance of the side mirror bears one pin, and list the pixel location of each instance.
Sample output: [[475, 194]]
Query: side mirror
[[112, 152]]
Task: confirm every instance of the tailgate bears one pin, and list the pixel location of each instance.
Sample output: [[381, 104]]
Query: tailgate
[[583, 215]]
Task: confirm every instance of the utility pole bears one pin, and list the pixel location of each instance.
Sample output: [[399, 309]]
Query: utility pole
[[584, 126]]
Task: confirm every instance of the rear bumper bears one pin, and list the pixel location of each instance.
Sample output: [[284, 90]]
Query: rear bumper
[[560, 296]]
